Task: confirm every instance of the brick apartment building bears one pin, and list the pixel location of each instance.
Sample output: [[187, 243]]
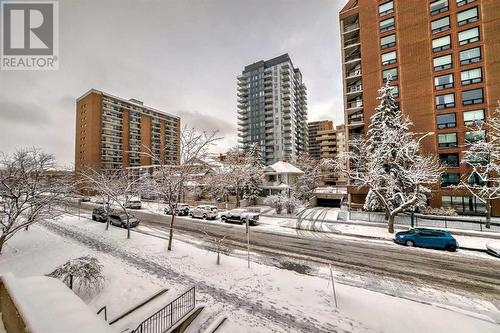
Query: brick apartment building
[[443, 56], [115, 133], [313, 147]]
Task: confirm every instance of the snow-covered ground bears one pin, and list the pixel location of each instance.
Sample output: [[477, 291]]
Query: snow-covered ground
[[260, 299]]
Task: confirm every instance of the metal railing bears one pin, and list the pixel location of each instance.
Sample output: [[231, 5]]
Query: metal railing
[[170, 315]]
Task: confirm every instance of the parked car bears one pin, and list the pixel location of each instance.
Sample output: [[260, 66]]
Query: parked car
[[100, 201], [206, 212], [84, 199], [120, 220], [428, 238], [181, 210], [99, 214], [133, 204], [240, 215]]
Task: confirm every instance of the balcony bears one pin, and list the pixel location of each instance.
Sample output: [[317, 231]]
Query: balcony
[[353, 57], [351, 42], [354, 105], [355, 120], [351, 27], [353, 74]]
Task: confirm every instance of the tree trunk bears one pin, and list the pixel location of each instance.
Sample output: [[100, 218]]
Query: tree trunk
[[171, 235], [218, 258], [237, 196], [391, 224], [107, 216], [128, 226], [488, 214], [2, 241]]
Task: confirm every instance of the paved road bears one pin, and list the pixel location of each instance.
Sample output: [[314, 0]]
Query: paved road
[[437, 268]]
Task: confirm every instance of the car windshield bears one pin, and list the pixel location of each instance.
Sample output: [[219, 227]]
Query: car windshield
[[214, 209], [124, 216]]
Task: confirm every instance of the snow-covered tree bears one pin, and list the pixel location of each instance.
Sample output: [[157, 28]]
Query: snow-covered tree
[[115, 187], [309, 180], [389, 162], [483, 158], [254, 172], [170, 181], [27, 192], [84, 275]]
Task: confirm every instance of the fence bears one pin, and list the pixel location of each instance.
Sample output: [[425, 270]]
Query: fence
[[430, 221], [168, 316]]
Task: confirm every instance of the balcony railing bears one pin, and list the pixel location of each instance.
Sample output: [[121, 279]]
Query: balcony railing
[[355, 104], [351, 57], [354, 72], [351, 27], [356, 88], [351, 41]]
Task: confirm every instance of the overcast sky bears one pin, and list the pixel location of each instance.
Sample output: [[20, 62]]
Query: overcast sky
[[179, 56]]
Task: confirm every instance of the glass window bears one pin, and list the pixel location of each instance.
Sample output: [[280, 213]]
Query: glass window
[[387, 25], [470, 56], [449, 160], [466, 204], [471, 97], [442, 24], [471, 76], [443, 62], [386, 8], [445, 101], [440, 44], [449, 178], [463, 2], [438, 6], [448, 120], [393, 72], [468, 36], [474, 136], [467, 16], [388, 41], [475, 179], [473, 117], [447, 140], [389, 58], [443, 81], [395, 91]]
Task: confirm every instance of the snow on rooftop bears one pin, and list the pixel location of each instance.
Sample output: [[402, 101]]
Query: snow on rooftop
[[48, 305], [283, 167]]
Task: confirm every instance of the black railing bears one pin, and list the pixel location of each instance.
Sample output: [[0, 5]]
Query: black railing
[[168, 316]]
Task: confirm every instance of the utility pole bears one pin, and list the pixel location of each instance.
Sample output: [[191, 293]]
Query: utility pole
[[248, 241], [333, 286]]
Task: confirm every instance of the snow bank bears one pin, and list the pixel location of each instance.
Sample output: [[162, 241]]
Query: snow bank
[[47, 305]]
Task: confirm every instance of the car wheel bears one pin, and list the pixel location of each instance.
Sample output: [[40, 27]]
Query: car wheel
[[451, 248], [409, 243], [204, 216], [223, 218], [94, 218]]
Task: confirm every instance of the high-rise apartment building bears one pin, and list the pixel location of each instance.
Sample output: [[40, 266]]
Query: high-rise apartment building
[[115, 133], [332, 142], [443, 56], [313, 148], [272, 109]]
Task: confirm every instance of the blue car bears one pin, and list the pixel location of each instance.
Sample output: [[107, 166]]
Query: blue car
[[428, 238]]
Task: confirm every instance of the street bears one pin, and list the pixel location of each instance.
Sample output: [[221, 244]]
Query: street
[[440, 269]]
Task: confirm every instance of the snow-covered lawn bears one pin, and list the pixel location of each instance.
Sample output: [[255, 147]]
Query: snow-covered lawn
[[260, 299]]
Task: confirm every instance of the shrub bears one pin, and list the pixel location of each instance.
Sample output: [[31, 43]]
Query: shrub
[[448, 211], [275, 201]]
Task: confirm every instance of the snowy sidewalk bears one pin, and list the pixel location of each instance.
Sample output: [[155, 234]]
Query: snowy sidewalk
[[262, 299]]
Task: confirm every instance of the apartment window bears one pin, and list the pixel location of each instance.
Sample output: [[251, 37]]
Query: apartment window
[[448, 179], [474, 136], [468, 36], [475, 179], [463, 2], [443, 81], [449, 160], [395, 91], [471, 97], [470, 56], [467, 16], [473, 117], [471, 76], [468, 204], [387, 25], [386, 8], [438, 6], [389, 58], [393, 72], [442, 43], [388, 41], [445, 101], [444, 62], [440, 25], [447, 140], [448, 120]]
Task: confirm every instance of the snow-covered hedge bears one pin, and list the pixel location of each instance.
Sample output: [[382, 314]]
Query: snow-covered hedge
[[282, 202], [448, 211]]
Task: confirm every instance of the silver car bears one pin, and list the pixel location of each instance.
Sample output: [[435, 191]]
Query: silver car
[[206, 212]]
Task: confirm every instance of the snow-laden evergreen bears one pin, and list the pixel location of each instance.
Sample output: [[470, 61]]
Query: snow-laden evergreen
[[389, 161], [483, 157]]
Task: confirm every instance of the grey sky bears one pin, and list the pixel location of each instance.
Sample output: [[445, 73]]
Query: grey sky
[[180, 56]]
